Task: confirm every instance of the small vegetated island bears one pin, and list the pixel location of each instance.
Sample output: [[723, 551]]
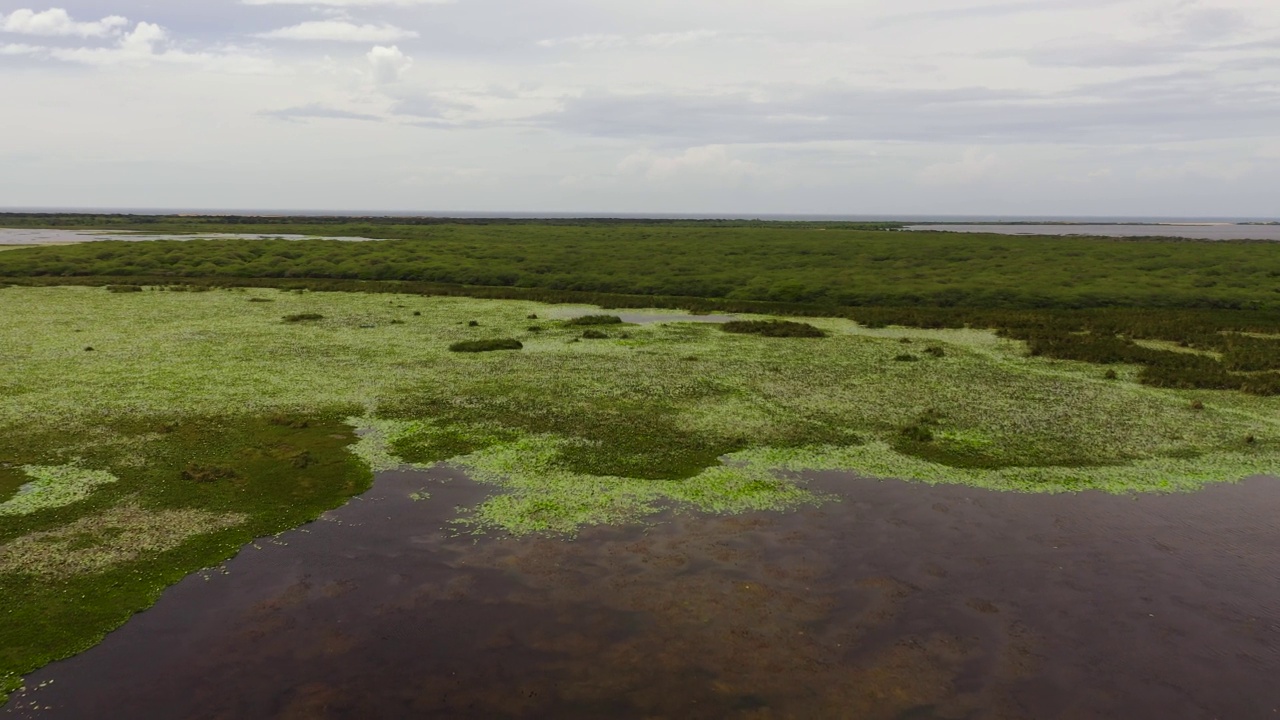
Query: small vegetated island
[[164, 403]]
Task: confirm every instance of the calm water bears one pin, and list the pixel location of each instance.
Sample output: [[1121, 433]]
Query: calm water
[[1199, 232], [902, 601]]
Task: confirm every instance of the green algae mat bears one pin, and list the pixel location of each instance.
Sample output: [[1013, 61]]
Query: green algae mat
[[147, 434]]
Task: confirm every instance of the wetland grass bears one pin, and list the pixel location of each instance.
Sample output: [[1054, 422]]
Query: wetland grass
[[238, 438]]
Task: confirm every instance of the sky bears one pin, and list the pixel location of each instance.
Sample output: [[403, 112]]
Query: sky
[[864, 107]]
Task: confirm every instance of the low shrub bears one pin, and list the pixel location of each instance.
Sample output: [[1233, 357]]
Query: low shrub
[[917, 433], [594, 320], [475, 346], [207, 473], [303, 317], [773, 328]]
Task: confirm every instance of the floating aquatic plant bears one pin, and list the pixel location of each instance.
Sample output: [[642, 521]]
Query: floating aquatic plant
[[54, 486]]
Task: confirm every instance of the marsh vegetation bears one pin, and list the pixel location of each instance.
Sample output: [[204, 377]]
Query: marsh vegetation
[[205, 419]]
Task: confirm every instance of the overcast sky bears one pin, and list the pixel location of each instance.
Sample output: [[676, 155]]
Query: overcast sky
[[1021, 107]]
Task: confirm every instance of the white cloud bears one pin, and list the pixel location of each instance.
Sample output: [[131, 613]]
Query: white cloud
[[604, 41], [149, 43], [705, 160], [339, 31], [973, 165], [57, 22], [141, 44], [18, 49], [318, 111], [783, 108], [388, 64]]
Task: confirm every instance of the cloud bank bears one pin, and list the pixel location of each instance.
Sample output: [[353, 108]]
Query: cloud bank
[[1103, 107]]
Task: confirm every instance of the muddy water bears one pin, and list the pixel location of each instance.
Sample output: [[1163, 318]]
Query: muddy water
[[902, 601]]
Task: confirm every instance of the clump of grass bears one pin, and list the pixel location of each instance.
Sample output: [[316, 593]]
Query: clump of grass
[[473, 323], [124, 288], [906, 357], [1197, 405], [918, 433], [89, 348], [936, 351], [1110, 375], [417, 313], [773, 328], [207, 473], [303, 317], [297, 422], [260, 300], [477, 346], [594, 335], [534, 328], [532, 316], [594, 320]]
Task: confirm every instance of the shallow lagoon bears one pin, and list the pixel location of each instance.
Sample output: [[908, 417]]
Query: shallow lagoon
[[898, 601]]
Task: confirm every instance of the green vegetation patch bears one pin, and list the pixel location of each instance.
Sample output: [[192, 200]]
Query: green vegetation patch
[[478, 346], [108, 539], [773, 328], [834, 264], [72, 571], [586, 320], [53, 487]]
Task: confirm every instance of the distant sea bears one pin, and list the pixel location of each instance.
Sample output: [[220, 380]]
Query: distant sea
[[797, 217]]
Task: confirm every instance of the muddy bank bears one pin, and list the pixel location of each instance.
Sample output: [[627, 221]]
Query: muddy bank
[[902, 601]]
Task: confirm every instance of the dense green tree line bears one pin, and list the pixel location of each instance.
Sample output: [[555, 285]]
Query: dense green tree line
[[1216, 304], [771, 263]]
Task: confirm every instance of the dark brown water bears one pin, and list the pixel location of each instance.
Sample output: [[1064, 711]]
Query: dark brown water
[[903, 601]]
